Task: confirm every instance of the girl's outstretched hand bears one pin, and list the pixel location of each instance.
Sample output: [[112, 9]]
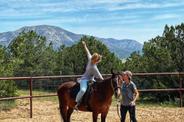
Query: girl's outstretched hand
[[83, 42]]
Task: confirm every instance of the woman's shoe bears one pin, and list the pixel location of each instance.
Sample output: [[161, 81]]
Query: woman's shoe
[[76, 107]]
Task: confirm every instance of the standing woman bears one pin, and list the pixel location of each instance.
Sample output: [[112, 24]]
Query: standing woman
[[90, 73], [129, 96]]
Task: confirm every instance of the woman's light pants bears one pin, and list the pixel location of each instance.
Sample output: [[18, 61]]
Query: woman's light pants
[[83, 88]]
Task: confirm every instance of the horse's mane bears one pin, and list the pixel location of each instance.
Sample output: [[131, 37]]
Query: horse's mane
[[104, 81]]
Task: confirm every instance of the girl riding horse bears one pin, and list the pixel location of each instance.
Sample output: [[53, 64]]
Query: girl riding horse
[[100, 97], [91, 72], [99, 101]]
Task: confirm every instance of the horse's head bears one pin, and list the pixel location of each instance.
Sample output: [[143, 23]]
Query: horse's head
[[116, 83]]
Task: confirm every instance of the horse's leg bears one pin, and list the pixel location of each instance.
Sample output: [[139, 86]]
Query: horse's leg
[[69, 113], [95, 116], [63, 112], [103, 116]]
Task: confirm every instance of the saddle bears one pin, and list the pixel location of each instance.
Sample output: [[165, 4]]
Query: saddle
[[86, 97]]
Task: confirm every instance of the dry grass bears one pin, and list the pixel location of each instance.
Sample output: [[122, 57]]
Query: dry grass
[[47, 111]]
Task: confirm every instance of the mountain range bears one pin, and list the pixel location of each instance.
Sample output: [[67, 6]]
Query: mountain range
[[58, 36]]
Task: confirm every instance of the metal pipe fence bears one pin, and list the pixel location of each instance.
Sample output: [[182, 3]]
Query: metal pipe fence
[[180, 90]]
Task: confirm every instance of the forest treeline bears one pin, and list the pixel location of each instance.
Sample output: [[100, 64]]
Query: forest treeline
[[30, 55]]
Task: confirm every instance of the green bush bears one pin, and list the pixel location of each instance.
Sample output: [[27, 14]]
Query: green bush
[[7, 88]]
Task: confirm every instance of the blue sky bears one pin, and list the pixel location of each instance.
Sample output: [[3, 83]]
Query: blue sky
[[121, 19]]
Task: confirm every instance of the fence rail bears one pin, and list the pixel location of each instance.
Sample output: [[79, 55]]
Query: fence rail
[[30, 80]]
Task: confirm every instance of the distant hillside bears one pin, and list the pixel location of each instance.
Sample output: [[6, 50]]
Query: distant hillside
[[58, 36], [123, 48]]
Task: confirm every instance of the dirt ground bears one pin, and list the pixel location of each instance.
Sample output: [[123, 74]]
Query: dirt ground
[[47, 111]]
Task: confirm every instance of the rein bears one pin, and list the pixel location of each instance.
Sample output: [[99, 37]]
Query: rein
[[117, 105], [117, 99]]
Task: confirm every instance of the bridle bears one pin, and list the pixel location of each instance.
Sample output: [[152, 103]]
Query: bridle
[[118, 86]]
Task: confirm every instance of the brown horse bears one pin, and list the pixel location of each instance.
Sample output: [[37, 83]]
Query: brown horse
[[99, 101]]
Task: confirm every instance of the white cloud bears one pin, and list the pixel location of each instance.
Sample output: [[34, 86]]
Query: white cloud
[[81, 6], [144, 5], [97, 17], [165, 16]]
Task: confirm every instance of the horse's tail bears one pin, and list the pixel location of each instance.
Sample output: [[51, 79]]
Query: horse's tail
[[63, 90], [59, 97], [62, 107], [61, 93]]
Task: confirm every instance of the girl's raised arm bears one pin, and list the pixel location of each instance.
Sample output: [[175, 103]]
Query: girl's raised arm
[[87, 51]]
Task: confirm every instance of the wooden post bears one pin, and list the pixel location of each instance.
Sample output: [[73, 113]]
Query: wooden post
[[181, 94], [30, 100]]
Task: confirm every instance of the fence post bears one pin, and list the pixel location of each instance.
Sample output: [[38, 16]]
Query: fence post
[[181, 94], [30, 99]]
